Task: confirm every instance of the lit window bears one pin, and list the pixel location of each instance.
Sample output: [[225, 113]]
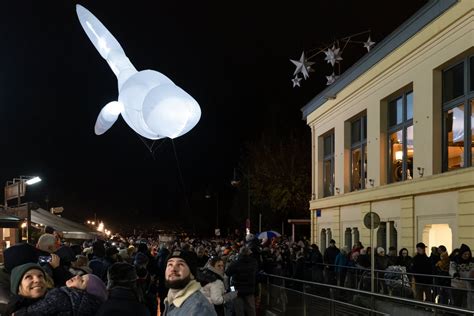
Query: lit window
[[359, 153], [458, 115], [400, 138], [328, 164]]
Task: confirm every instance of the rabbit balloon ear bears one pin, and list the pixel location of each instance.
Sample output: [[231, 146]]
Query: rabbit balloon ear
[[105, 43], [107, 117]]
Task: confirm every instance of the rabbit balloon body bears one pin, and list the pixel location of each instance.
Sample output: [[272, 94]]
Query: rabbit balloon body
[[150, 103]]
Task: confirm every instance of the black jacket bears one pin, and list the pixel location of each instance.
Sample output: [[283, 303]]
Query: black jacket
[[422, 264], [330, 256], [244, 274], [122, 301], [316, 258]]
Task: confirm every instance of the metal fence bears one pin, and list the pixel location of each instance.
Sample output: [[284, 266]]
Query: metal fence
[[286, 296], [393, 282]]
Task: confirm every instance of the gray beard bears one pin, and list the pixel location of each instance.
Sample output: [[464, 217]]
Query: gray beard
[[178, 284]]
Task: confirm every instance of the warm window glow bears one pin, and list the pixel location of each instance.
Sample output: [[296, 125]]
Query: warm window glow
[[454, 124]]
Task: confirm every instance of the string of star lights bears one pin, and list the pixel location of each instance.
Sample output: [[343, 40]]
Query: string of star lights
[[333, 56]]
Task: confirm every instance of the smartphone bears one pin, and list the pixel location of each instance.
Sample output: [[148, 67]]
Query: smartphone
[[44, 259], [232, 289]]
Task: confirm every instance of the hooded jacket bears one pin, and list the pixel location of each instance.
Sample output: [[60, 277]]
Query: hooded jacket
[[244, 274], [462, 268], [213, 288]]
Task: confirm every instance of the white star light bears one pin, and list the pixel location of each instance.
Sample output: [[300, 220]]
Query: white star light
[[331, 79], [368, 44], [302, 66], [296, 81], [333, 55]]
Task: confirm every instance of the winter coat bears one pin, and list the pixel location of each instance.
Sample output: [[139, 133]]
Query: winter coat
[[381, 262], [316, 258], [422, 264], [243, 272], [5, 294], [214, 290], [299, 268], [18, 302], [188, 302], [122, 301], [405, 262], [460, 269], [63, 301], [330, 256], [340, 262]]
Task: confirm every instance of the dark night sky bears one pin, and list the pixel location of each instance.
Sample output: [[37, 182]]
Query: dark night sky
[[232, 57]]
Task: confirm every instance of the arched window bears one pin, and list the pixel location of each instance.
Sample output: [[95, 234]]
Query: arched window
[[329, 236], [348, 237], [322, 240], [382, 236], [356, 237], [393, 236]]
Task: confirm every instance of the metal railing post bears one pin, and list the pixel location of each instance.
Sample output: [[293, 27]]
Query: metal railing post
[[304, 299], [268, 290]]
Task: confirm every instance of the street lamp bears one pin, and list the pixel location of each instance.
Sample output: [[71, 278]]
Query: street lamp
[[209, 196], [235, 182], [16, 187]]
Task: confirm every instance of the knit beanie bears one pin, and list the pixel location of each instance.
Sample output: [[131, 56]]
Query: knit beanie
[[19, 254], [76, 249], [18, 272], [109, 252], [189, 257], [141, 259], [121, 274], [66, 254], [380, 249], [96, 287]]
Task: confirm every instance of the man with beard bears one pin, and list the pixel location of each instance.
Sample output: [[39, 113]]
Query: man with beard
[[184, 295]]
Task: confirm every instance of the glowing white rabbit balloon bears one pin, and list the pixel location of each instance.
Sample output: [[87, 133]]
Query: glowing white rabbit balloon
[[150, 103]]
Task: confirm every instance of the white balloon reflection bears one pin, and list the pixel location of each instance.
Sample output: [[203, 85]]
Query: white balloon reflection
[[150, 103]]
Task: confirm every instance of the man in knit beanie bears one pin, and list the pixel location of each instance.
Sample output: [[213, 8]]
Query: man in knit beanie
[[124, 298], [184, 295]]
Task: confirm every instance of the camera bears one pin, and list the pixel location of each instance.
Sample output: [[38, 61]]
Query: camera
[[44, 259]]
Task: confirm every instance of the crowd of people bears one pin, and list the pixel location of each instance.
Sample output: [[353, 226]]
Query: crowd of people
[[439, 277], [196, 276]]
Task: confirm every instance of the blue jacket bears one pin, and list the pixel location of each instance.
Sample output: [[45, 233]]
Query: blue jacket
[[341, 261], [189, 302]]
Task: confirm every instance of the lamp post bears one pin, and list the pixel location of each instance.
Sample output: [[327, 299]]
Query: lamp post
[[235, 182], [209, 196], [16, 187]]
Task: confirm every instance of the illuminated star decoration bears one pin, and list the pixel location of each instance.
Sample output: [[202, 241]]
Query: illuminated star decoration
[[368, 44], [302, 66], [296, 81], [331, 79], [333, 55]]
